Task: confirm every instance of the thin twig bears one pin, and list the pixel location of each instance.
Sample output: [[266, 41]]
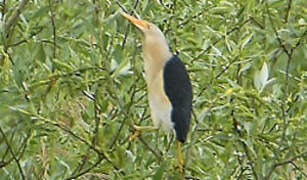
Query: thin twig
[[66, 129], [12, 20], [53, 26], [27, 39], [82, 164], [9, 25], [288, 10], [86, 143], [245, 147], [289, 54], [189, 20], [218, 75], [256, 22], [218, 40], [7, 150], [274, 166], [121, 7], [191, 178], [87, 170], [159, 157], [127, 28], [126, 114], [282, 45], [97, 121], [299, 42], [2, 10], [24, 145], [13, 154], [299, 169]]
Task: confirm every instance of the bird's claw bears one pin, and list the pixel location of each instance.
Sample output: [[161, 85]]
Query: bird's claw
[[136, 133], [180, 168]]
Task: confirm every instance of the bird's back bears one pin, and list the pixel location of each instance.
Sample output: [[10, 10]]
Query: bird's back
[[178, 89]]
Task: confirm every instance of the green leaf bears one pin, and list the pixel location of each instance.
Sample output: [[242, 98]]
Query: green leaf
[[159, 173], [261, 77]]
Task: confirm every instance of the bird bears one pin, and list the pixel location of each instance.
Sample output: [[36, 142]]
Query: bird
[[168, 84]]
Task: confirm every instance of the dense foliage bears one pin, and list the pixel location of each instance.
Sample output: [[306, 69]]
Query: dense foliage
[[71, 86]]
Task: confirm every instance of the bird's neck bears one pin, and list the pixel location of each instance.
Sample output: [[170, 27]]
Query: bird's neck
[[155, 56]]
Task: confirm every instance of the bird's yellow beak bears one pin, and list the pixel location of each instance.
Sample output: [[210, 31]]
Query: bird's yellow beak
[[141, 24]]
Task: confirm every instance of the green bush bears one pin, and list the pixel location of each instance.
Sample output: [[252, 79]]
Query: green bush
[[71, 86]]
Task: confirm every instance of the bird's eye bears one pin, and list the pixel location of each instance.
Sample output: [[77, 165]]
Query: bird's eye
[[148, 26]]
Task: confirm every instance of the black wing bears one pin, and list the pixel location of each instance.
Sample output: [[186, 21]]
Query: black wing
[[178, 88]]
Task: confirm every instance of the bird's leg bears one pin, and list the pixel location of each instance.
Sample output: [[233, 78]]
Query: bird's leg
[[179, 157], [139, 129]]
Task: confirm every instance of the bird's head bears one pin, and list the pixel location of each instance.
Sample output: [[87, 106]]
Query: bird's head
[[152, 35]]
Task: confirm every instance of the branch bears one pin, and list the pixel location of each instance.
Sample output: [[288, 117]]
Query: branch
[[2, 9], [13, 154], [282, 45], [189, 20], [288, 11], [245, 147], [299, 169], [299, 42], [126, 31], [100, 153], [218, 75], [87, 170], [121, 7], [274, 166], [53, 27], [66, 129], [150, 148], [218, 40], [97, 121], [191, 178], [27, 39], [12, 20], [126, 113]]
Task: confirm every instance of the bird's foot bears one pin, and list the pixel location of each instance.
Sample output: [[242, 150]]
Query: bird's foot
[[139, 129], [180, 166], [136, 132], [179, 172], [134, 135]]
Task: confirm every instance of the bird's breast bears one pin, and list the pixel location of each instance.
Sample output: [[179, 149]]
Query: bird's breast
[[159, 103]]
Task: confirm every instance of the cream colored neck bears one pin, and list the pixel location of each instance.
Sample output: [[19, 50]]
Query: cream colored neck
[[155, 59]]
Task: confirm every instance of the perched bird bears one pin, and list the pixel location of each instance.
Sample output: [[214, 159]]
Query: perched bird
[[168, 84]]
